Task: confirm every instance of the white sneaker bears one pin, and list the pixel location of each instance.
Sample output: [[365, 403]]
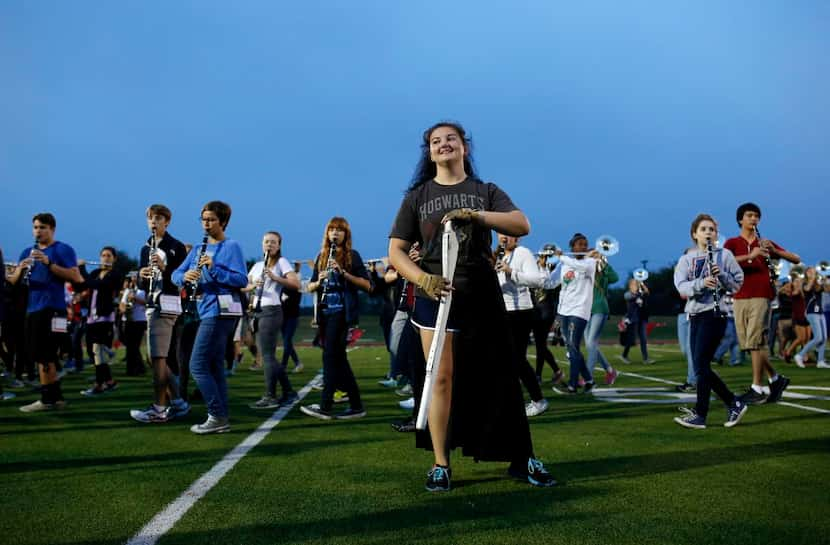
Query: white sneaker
[[151, 415], [407, 404], [823, 365], [298, 368], [799, 360], [7, 395], [213, 424], [38, 406], [535, 408]]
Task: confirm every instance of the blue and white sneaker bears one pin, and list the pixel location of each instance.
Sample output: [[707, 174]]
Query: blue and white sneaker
[[735, 413], [534, 473], [438, 479], [691, 420]]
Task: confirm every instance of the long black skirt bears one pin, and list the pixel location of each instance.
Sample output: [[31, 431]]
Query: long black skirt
[[487, 417]]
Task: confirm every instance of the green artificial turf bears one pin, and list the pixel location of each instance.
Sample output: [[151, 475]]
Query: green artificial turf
[[90, 474]]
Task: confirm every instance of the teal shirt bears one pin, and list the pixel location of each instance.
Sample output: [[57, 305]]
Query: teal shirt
[[608, 276]]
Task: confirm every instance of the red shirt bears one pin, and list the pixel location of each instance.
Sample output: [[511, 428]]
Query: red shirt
[[756, 274]]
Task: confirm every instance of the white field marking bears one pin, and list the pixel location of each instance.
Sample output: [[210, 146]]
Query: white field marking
[[804, 407], [352, 349], [170, 515], [668, 350], [617, 395], [655, 379]]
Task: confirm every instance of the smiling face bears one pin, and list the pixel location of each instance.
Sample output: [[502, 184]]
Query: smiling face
[[446, 146]]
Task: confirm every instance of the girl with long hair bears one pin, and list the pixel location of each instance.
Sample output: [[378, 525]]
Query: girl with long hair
[[266, 280], [477, 353], [338, 273]]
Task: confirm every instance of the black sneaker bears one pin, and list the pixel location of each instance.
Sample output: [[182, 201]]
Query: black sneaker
[[438, 479], [751, 397], [535, 473], [776, 388], [588, 387], [404, 426], [566, 389], [350, 414], [317, 412], [686, 388], [288, 398]]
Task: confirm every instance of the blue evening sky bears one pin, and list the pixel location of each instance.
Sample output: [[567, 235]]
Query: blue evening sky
[[625, 118]]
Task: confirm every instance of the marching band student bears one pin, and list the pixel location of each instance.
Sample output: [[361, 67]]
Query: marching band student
[[636, 316], [46, 266], [103, 286], [577, 275], [445, 188], [785, 330], [162, 314], [751, 305], [291, 299], [518, 272], [545, 303], [699, 275], [338, 273], [815, 317], [217, 268], [801, 327], [265, 282], [599, 315], [132, 307]]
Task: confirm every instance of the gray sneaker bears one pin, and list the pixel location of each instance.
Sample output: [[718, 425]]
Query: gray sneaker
[[265, 402], [213, 424]]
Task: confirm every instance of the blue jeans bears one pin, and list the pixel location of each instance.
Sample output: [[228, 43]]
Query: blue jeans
[[573, 329], [592, 333], [819, 326], [207, 362], [684, 340], [729, 344]]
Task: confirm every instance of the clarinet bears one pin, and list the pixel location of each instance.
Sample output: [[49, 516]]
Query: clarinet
[[710, 258], [151, 298], [31, 265], [327, 293], [252, 307], [191, 287], [770, 268], [500, 249]]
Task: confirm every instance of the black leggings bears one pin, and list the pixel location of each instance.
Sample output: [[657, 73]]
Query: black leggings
[[520, 323]]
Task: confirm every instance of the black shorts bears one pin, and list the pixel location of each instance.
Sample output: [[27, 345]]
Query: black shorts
[[100, 333], [42, 343]]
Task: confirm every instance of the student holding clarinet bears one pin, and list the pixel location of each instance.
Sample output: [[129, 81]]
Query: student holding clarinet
[[476, 354]]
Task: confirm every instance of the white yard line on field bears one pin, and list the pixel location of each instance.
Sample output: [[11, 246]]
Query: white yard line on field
[[646, 377], [170, 515]]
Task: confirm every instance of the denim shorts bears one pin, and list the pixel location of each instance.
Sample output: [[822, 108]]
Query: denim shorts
[[426, 311]]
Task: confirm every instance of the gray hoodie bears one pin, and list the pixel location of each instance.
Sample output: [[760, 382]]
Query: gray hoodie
[[693, 268]]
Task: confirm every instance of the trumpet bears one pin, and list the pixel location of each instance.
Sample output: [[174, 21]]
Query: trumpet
[[371, 262], [823, 268], [606, 245], [797, 271], [640, 275]]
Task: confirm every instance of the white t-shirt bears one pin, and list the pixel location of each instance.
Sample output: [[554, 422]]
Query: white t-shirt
[[524, 274], [577, 279], [271, 291]]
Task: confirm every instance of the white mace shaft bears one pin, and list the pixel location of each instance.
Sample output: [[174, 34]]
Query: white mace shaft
[[449, 257]]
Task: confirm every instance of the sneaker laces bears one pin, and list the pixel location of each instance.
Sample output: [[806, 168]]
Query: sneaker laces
[[536, 466], [437, 473]]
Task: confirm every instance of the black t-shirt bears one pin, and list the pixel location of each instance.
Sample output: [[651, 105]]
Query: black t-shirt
[[175, 252], [419, 220], [785, 306]]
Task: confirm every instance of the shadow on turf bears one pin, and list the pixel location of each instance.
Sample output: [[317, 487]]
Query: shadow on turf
[[665, 462], [429, 516]]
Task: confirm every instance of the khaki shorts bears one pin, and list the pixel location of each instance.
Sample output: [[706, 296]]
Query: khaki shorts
[[160, 333], [752, 322]]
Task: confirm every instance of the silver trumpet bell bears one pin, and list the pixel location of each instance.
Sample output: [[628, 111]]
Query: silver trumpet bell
[[640, 275], [607, 245]]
